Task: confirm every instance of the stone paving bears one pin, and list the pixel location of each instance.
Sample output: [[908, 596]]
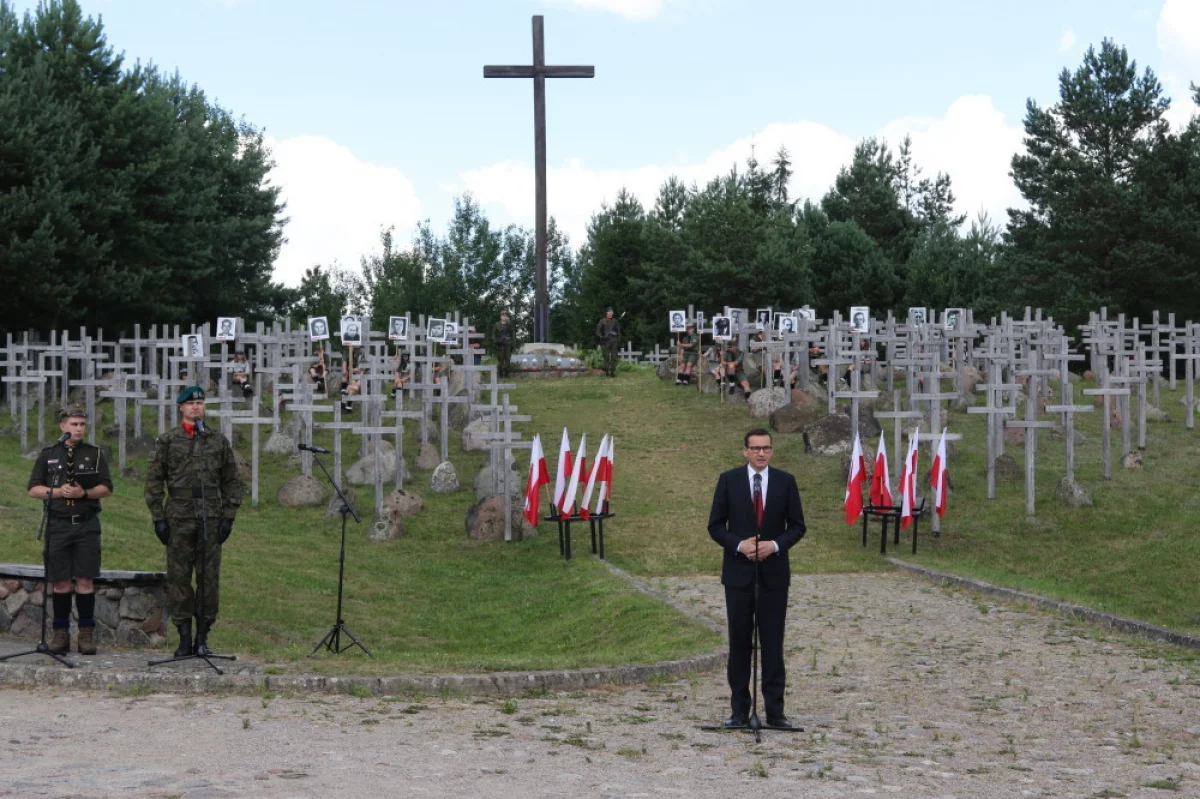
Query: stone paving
[[904, 688]]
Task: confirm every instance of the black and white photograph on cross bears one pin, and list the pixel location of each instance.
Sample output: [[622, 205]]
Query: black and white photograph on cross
[[193, 345], [226, 328], [860, 319], [678, 321], [398, 328], [436, 330], [918, 316], [807, 313], [721, 328], [950, 318], [351, 330], [762, 319], [785, 324], [318, 328]]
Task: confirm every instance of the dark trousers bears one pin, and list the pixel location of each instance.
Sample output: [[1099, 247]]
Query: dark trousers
[[772, 612], [503, 359]]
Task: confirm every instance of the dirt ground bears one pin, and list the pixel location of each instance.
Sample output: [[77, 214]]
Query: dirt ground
[[903, 688]]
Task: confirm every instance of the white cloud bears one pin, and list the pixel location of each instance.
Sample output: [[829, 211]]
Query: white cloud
[[1067, 41], [1178, 34], [630, 9], [337, 204], [972, 142]]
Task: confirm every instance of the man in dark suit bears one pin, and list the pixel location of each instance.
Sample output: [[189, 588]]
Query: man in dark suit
[[753, 498]]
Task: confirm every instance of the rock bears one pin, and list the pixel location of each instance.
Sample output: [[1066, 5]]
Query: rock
[[301, 490], [362, 473], [386, 528], [1014, 436], [428, 458], [795, 416], [1132, 460], [708, 384], [5, 619], [828, 435], [131, 472], [1089, 376], [444, 479], [469, 442], [766, 401], [384, 446], [27, 623], [135, 605], [1072, 494], [459, 416], [32, 453], [868, 456], [1006, 468], [131, 635], [108, 610], [3, 591], [868, 425], [334, 508], [738, 397], [402, 503], [486, 485], [153, 625], [667, 369], [15, 600], [960, 403], [485, 520], [280, 444], [1156, 414]]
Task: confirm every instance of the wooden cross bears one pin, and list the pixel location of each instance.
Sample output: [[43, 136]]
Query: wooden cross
[[995, 439], [899, 416], [539, 72]]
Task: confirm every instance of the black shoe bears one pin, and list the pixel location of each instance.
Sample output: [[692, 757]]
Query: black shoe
[[185, 639], [779, 722], [201, 647], [736, 720]]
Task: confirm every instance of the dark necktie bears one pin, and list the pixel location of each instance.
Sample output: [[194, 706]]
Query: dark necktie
[[758, 500], [70, 469]]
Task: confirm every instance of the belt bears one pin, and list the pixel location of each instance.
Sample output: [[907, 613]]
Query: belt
[[76, 518], [211, 492]]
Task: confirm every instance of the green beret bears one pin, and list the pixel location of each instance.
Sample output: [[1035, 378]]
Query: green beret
[[609, 308], [188, 394], [71, 410]]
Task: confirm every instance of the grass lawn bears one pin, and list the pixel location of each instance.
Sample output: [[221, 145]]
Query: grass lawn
[[1136, 552]]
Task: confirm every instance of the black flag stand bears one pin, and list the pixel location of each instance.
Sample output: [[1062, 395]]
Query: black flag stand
[[42, 647], [753, 725], [333, 639]]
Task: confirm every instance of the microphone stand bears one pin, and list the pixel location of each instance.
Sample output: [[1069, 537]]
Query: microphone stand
[[333, 639], [200, 651], [42, 647]]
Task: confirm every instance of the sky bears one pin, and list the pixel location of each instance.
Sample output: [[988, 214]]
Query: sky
[[378, 114]]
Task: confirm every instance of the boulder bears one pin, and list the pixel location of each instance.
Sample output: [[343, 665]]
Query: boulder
[[469, 442], [386, 527], [1114, 419], [1072, 494], [444, 479], [1132, 460], [486, 485], [766, 401], [795, 416], [1089, 376], [1014, 436], [666, 369], [1156, 414], [27, 623], [362, 473], [280, 444], [868, 456], [738, 397], [459, 415], [301, 490], [485, 520], [960, 403], [428, 458], [868, 425], [334, 508], [1006, 468], [708, 384], [829, 435], [402, 503]]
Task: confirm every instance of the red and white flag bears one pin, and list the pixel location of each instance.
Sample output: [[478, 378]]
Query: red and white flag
[[908, 482], [563, 472], [568, 499], [939, 477], [855, 482], [881, 487], [606, 478], [538, 477], [597, 466]]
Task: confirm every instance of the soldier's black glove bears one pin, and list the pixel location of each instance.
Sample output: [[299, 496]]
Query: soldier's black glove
[[225, 531], [163, 531]]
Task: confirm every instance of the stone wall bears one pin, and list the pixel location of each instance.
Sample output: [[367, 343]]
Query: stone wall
[[131, 607]]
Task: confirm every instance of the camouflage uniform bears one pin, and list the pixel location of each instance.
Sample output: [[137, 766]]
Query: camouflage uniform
[[502, 334], [176, 470], [609, 333], [737, 358]]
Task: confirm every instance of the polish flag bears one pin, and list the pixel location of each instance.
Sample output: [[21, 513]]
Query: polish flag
[[881, 490], [538, 477], [568, 498], [606, 478], [939, 477], [855, 482], [908, 483], [597, 467], [563, 472]]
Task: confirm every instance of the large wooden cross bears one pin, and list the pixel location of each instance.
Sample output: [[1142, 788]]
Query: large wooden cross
[[539, 72]]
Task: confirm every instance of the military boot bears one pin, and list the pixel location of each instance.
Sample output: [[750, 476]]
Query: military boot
[[202, 628], [87, 640], [185, 639], [60, 641]]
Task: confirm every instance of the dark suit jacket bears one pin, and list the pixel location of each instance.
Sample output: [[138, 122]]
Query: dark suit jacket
[[732, 519]]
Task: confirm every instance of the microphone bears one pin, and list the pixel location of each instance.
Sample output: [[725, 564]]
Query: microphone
[[200, 426], [63, 438], [310, 448]]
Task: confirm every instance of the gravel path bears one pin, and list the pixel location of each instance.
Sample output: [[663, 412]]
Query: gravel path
[[904, 689]]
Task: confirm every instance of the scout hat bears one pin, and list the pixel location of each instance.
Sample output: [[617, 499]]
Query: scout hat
[[69, 411], [188, 394]]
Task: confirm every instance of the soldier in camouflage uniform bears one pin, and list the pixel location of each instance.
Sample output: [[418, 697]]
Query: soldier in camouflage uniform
[[608, 330], [689, 348], [185, 460], [63, 472], [505, 337]]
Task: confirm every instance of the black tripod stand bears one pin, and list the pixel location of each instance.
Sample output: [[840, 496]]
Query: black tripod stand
[[42, 647], [333, 639], [753, 724], [200, 651]]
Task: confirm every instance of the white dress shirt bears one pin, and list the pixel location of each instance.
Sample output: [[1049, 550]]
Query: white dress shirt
[[765, 477]]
